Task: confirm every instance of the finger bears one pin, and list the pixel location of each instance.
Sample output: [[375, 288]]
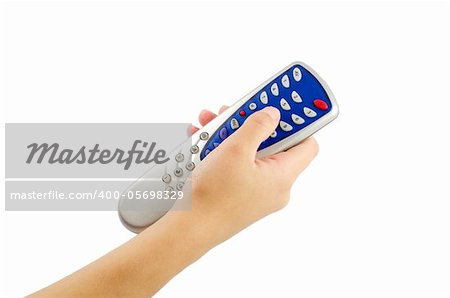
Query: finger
[[223, 109], [194, 129], [206, 116], [297, 158], [256, 129]]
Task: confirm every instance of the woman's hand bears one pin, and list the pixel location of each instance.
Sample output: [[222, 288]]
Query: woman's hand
[[232, 188]]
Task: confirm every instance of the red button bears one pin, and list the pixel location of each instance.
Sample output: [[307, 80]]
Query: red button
[[242, 113], [320, 104]]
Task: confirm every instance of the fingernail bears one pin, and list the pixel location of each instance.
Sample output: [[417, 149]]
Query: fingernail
[[274, 113]]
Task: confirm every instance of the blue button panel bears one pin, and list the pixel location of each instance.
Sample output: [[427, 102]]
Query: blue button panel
[[309, 89]]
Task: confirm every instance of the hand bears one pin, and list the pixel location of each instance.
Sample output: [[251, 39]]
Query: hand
[[232, 189]]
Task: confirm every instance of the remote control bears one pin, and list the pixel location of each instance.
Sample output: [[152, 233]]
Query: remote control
[[306, 105]]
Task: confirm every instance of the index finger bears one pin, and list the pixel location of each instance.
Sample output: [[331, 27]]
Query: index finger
[[297, 158]]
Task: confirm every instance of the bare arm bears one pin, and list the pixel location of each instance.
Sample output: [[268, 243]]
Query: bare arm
[[245, 191]]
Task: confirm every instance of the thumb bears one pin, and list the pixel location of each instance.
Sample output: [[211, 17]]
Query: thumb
[[257, 128]]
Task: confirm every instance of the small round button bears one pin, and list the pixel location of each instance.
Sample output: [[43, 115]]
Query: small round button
[[190, 166], [320, 104], [169, 188], [242, 113], [194, 149], [273, 134], [180, 185], [252, 106], [166, 178], [178, 172], [179, 157], [204, 136]]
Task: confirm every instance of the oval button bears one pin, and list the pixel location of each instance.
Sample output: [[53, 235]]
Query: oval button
[[320, 104], [285, 105], [296, 97], [274, 89], [223, 133], [285, 126], [297, 119], [263, 97], [234, 124], [285, 81], [308, 112], [297, 73]]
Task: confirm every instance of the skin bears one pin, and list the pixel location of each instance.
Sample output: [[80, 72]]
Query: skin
[[222, 205]]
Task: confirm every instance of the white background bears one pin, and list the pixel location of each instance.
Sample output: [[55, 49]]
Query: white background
[[369, 218]]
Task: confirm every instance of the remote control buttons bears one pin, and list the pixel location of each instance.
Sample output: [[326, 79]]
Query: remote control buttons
[[297, 73], [194, 149], [234, 124], [285, 126], [263, 97], [179, 157], [296, 93], [297, 119], [320, 104], [285, 81], [274, 89], [178, 172], [296, 97], [223, 133], [190, 166], [166, 178], [169, 188], [285, 105], [310, 113], [204, 136], [180, 185]]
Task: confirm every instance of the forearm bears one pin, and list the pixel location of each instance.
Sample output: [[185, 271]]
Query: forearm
[[232, 190], [143, 265]]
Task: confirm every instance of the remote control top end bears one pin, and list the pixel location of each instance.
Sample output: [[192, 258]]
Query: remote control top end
[[303, 98]]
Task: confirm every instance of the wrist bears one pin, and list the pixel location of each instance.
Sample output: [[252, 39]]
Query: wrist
[[191, 234]]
